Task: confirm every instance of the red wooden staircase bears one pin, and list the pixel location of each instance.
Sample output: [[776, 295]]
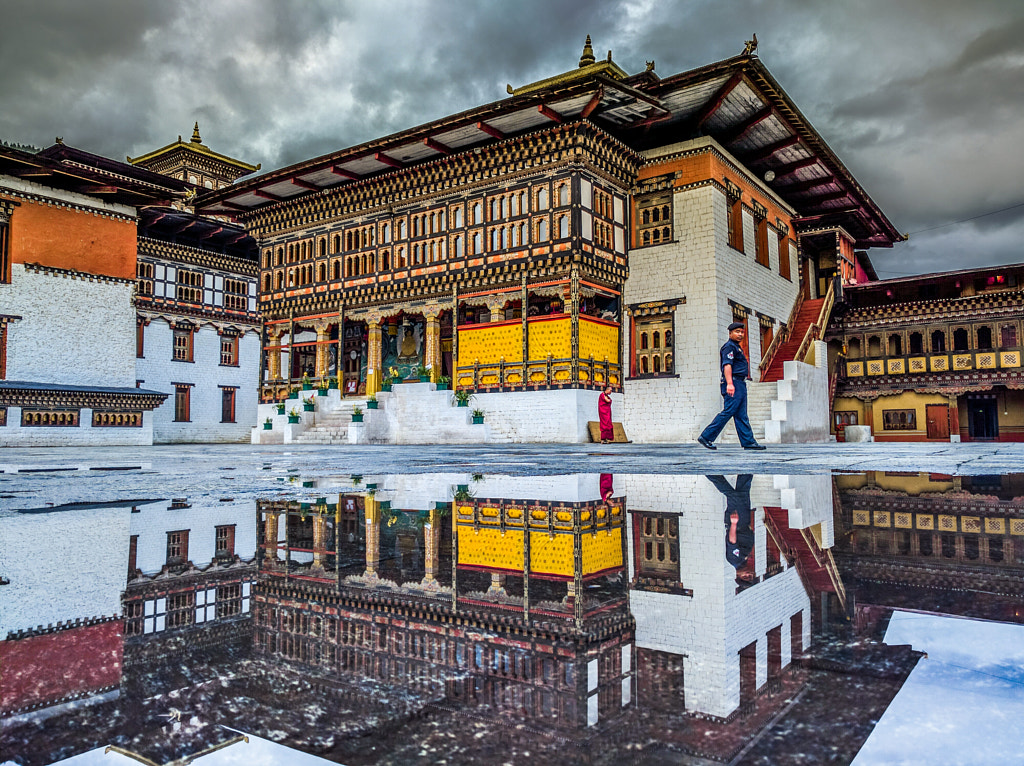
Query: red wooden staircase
[[806, 316]]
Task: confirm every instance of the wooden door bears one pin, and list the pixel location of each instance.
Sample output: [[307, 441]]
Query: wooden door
[[937, 416]]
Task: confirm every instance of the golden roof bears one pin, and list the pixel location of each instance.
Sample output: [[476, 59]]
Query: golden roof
[[194, 145], [588, 68]]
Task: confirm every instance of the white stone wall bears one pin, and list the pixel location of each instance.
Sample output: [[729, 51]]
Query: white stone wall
[[155, 520], [710, 627], [700, 266], [74, 329], [158, 371], [62, 566], [84, 435]]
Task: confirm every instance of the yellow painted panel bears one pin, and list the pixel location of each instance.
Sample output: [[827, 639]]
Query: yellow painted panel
[[918, 364], [876, 367], [598, 340], [602, 551], [986, 361], [904, 520], [970, 524], [925, 521], [1017, 526], [882, 518], [550, 337], [940, 363], [962, 361], [489, 548], [551, 554], [862, 518], [854, 369], [488, 344], [947, 523], [895, 366], [995, 526], [1009, 359]]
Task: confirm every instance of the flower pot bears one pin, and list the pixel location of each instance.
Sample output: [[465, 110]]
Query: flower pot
[[268, 426], [321, 392], [462, 404], [442, 386], [293, 418], [293, 394], [307, 386], [280, 409], [357, 418], [308, 407], [385, 386], [371, 405], [478, 419], [333, 384], [424, 378]]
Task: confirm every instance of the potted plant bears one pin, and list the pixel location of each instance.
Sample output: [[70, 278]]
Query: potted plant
[[442, 383], [371, 403], [332, 383], [357, 414], [321, 390], [386, 383], [268, 424], [293, 415], [308, 404], [424, 372], [307, 384], [280, 408], [462, 397], [478, 416], [293, 392], [392, 377]]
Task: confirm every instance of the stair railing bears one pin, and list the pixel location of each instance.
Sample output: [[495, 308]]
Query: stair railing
[[816, 328], [768, 356]]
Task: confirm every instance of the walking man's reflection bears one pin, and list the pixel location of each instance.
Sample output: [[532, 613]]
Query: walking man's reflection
[[739, 531]]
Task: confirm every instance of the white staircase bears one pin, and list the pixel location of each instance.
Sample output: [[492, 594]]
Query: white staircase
[[331, 425]]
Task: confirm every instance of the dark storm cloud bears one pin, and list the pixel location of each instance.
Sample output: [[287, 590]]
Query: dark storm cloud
[[924, 101]]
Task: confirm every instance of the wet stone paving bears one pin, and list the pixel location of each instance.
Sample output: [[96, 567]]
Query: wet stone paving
[[629, 604]]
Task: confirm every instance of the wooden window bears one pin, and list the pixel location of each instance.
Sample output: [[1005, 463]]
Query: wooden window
[[984, 337], [144, 285], [140, 340], [653, 220], [542, 198], [784, 264], [658, 549], [133, 555], [183, 344], [761, 243], [653, 353], [182, 394], [177, 547], [52, 418], [229, 599], [227, 404], [225, 541], [916, 343], [1007, 337], [236, 292], [5, 258], [190, 286], [938, 342], [3, 350], [181, 609], [734, 213], [229, 350], [899, 420], [960, 339]]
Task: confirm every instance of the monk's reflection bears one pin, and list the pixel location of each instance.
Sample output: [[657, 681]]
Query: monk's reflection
[[739, 532]]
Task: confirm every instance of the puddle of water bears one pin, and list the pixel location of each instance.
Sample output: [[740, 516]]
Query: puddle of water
[[475, 618]]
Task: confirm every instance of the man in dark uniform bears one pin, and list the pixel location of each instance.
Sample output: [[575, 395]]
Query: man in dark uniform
[[739, 529], [735, 372]]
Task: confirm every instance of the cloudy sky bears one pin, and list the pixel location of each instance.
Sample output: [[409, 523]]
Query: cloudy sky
[[922, 99]]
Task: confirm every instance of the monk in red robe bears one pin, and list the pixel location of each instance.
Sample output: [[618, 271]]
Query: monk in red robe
[[604, 412]]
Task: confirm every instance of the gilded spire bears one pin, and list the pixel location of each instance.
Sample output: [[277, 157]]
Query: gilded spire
[[195, 134], [588, 54]]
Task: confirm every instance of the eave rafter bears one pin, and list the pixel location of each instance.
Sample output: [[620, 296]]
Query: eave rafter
[[740, 131], [793, 167], [389, 161], [436, 145], [769, 151], [716, 101], [550, 113], [490, 130], [267, 195], [340, 171], [592, 105], [305, 184]]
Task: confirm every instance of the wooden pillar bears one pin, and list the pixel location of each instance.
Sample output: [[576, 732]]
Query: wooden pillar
[[372, 511], [574, 304], [319, 538], [339, 355], [291, 343], [524, 299], [431, 546], [954, 418], [274, 353], [373, 360], [321, 326], [576, 586], [869, 414], [432, 355], [270, 536]]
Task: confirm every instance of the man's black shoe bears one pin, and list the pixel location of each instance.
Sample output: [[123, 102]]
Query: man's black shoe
[[704, 442], [756, 446]]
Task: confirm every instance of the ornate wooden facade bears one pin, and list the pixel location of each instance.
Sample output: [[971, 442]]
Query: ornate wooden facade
[[932, 357]]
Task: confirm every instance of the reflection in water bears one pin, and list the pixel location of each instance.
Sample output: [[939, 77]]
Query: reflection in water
[[558, 619]]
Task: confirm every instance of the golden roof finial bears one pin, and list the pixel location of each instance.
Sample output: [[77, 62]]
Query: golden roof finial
[[588, 54], [195, 134]]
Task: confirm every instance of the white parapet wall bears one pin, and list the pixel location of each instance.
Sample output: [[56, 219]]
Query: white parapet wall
[[799, 413], [82, 435]]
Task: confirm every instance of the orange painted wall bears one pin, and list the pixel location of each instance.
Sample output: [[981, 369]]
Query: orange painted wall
[[704, 166], [72, 239]]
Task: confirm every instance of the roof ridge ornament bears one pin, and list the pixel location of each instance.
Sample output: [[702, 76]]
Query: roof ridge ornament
[[750, 46], [195, 134], [588, 54]]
